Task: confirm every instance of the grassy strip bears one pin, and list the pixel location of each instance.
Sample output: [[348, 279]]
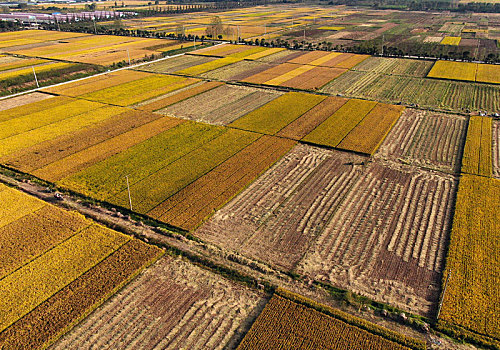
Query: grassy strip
[[353, 320], [471, 300], [277, 114], [333, 130], [29, 286], [62, 311]]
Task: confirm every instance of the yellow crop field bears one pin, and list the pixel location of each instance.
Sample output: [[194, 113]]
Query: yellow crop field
[[451, 40], [11, 208], [333, 130], [331, 28], [205, 67], [33, 107], [477, 158], [453, 70], [289, 75], [20, 63], [138, 90], [38, 69], [472, 299], [371, 131], [293, 322], [30, 285], [488, 73], [265, 53], [38, 119], [59, 128]]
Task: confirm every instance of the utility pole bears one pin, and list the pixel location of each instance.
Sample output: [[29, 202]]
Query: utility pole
[[304, 44], [95, 29], [383, 39], [444, 292], [128, 55], [36, 80], [129, 197]]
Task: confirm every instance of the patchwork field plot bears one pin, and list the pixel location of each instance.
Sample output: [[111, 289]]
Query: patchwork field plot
[[433, 93], [451, 40], [279, 210], [291, 321], [358, 126], [382, 235], [221, 105], [477, 158], [471, 302], [172, 305], [176, 64], [237, 71], [188, 207], [57, 267], [486, 73], [92, 49], [277, 114], [361, 228], [428, 139], [395, 66], [23, 100]]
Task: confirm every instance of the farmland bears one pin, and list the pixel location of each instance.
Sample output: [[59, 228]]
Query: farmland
[[496, 149], [291, 321], [57, 266], [314, 234], [478, 147], [429, 139], [185, 305], [485, 73], [471, 300]]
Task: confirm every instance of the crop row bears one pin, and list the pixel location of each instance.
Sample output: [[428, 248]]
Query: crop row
[[188, 207], [477, 157], [496, 149], [275, 115], [395, 66], [285, 324], [429, 139], [172, 305], [471, 300]]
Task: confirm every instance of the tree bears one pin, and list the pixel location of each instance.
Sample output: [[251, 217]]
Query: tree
[[215, 27]]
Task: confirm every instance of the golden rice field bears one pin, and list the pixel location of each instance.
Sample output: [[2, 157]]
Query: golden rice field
[[45, 252], [477, 157], [471, 302], [479, 72], [451, 40]]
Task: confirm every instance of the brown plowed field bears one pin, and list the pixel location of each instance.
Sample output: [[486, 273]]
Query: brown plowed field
[[271, 73], [386, 240], [425, 138], [496, 149], [172, 305], [237, 71], [277, 217], [303, 125], [22, 100], [188, 207]]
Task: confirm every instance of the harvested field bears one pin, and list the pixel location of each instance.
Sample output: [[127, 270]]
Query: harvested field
[[472, 303], [172, 305], [371, 131], [477, 158], [22, 100], [278, 216], [221, 105], [386, 239], [223, 50], [44, 153], [453, 70], [303, 125], [277, 114], [311, 56], [92, 154], [334, 129], [434, 93], [428, 139], [496, 149], [281, 57], [237, 71], [175, 64], [177, 96], [289, 324], [190, 206], [395, 66]]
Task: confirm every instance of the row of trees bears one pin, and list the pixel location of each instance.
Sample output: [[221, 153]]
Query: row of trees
[[425, 5]]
